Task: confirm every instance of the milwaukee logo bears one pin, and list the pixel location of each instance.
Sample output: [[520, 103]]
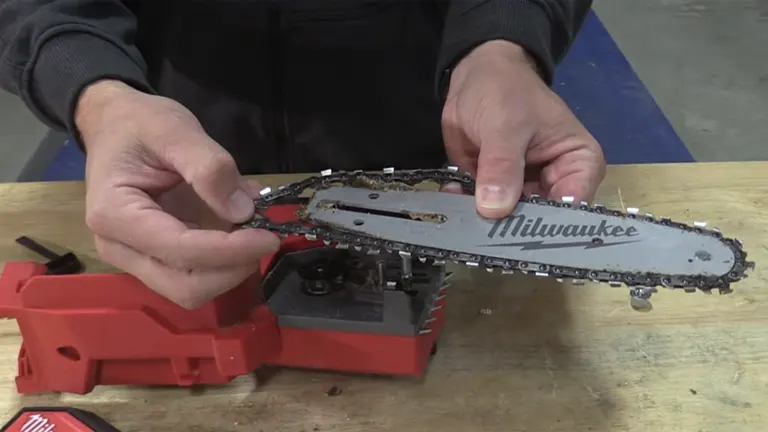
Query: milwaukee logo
[[37, 423], [521, 227], [535, 229]]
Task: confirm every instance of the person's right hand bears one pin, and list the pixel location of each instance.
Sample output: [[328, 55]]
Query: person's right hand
[[147, 158]]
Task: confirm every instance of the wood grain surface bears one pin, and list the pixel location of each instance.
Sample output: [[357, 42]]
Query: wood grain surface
[[541, 356]]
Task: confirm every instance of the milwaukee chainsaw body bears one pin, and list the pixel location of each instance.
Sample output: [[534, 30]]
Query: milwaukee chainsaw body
[[576, 241]]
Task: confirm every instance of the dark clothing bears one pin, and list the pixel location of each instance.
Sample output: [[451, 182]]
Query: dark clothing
[[284, 85]]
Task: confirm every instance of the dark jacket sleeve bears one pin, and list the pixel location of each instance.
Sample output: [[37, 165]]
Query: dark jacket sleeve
[[51, 49], [545, 28]]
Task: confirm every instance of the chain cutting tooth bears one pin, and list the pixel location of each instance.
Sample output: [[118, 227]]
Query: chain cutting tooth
[[700, 224], [633, 211], [326, 172], [310, 237], [389, 170], [266, 191], [567, 199], [452, 168]]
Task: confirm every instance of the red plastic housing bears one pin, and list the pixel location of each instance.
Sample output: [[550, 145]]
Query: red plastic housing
[[80, 331]]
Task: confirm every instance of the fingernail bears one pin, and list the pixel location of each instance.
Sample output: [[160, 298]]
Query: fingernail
[[241, 205], [494, 197]]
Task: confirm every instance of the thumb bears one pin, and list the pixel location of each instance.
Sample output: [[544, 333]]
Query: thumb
[[500, 174], [213, 174]]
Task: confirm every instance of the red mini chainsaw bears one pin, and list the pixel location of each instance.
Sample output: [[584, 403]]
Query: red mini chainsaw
[[359, 284]]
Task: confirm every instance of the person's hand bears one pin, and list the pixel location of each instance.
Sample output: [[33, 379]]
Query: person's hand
[[151, 173], [503, 125]]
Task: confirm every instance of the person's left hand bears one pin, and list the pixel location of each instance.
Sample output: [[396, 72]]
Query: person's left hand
[[513, 134]]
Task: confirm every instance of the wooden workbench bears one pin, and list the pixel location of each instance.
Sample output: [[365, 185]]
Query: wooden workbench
[[548, 356]]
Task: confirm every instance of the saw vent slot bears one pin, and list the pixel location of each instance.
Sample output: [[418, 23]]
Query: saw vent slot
[[435, 218]]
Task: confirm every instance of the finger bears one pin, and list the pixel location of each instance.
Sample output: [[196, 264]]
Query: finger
[[187, 288], [129, 216], [460, 150], [500, 173], [572, 186], [453, 187], [577, 174], [183, 203], [253, 188], [213, 174]]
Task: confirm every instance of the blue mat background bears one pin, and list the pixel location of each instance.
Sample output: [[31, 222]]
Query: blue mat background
[[595, 80]]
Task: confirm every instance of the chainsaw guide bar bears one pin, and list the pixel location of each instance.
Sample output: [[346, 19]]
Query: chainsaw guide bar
[[568, 240]]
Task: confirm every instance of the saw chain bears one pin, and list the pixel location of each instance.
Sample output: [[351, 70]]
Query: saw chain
[[642, 284]]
